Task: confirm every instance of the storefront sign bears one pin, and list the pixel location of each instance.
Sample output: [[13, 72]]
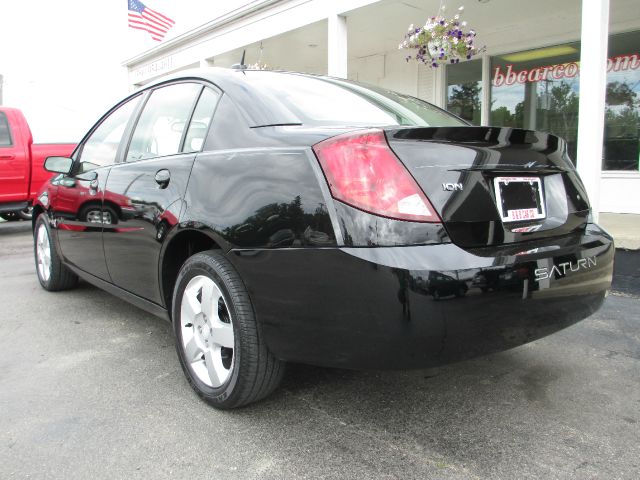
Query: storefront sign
[[559, 71], [158, 67]]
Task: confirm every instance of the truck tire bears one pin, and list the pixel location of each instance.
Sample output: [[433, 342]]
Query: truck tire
[[219, 344], [53, 275], [93, 213], [25, 214]]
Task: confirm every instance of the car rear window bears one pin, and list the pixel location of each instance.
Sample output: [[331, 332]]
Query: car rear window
[[5, 133], [326, 101]]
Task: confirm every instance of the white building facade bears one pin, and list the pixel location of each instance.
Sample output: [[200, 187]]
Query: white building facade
[[570, 67]]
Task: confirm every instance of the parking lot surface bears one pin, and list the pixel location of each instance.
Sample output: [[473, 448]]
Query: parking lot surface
[[90, 387]]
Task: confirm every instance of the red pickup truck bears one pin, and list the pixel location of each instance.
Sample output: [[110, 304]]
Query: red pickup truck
[[21, 164]]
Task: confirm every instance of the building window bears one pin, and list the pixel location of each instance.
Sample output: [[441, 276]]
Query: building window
[[622, 108], [464, 90], [540, 89]]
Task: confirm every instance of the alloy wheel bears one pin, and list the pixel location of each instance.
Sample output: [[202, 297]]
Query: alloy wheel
[[207, 331], [97, 216], [43, 253]]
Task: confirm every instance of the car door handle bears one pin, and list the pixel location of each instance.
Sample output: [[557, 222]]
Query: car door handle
[[162, 178], [7, 157]]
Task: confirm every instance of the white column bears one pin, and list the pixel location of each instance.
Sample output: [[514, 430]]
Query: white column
[[440, 86], [337, 46], [593, 83], [485, 106]]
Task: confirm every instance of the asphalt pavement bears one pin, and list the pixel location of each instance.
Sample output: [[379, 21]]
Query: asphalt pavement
[[90, 387]]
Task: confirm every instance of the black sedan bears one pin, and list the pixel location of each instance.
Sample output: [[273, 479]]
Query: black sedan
[[279, 217]]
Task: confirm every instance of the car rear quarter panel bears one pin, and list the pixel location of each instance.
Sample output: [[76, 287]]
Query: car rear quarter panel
[[259, 198]]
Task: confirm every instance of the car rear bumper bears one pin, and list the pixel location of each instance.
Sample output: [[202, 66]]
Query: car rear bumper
[[376, 307]]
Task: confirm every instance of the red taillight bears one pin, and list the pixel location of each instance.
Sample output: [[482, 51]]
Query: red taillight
[[363, 171]]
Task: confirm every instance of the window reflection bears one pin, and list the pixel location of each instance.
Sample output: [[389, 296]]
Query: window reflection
[[622, 108], [464, 90], [540, 90]]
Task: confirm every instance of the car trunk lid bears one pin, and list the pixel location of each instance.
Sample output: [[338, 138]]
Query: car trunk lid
[[494, 185]]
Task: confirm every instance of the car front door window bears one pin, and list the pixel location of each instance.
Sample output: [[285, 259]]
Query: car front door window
[[101, 148]]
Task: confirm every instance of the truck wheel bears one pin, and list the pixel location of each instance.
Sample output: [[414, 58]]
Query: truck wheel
[[220, 347], [52, 273], [25, 214], [97, 214]]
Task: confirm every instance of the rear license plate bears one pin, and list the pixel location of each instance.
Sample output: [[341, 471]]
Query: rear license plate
[[519, 198]]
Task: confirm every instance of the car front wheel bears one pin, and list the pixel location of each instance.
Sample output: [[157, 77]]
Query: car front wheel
[[219, 345]]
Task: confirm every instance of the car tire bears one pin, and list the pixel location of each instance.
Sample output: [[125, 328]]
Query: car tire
[[219, 343], [53, 275]]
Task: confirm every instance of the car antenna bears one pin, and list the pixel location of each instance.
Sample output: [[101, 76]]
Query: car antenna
[[241, 65]]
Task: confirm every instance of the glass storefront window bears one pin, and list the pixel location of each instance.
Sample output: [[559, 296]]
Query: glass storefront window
[[539, 89], [622, 108], [464, 90]]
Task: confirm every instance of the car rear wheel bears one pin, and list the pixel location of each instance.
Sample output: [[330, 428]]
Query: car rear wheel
[[52, 273], [218, 340]]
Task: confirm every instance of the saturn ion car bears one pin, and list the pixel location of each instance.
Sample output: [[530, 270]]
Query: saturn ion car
[[277, 217]]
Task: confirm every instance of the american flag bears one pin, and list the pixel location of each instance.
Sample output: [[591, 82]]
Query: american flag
[[142, 17]]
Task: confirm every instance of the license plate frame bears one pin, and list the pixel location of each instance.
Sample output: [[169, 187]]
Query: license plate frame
[[524, 209]]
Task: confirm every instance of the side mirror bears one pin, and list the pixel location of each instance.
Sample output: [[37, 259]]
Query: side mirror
[[58, 164]]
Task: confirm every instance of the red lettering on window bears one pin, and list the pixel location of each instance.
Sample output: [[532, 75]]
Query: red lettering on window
[[565, 70]]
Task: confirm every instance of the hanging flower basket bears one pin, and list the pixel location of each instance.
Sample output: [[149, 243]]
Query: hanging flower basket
[[441, 40]]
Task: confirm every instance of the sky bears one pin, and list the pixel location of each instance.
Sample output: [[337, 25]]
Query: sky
[[62, 60]]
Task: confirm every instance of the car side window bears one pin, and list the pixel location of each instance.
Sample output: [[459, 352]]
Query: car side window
[[5, 131], [101, 148], [162, 122], [200, 121]]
